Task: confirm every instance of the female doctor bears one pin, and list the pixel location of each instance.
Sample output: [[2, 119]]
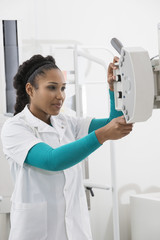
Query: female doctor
[[44, 147]]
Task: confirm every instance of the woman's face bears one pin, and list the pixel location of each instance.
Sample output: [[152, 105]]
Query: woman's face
[[48, 98]]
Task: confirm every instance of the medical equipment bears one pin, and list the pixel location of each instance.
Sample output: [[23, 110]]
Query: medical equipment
[[134, 86], [137, 92]]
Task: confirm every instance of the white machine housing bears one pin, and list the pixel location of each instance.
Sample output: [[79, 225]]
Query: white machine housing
[[134, 85]]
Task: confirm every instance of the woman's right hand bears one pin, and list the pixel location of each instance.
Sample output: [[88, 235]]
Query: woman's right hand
[[114, 130], [111, 78]]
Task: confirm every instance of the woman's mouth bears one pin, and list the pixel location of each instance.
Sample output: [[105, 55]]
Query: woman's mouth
[[58, 106]]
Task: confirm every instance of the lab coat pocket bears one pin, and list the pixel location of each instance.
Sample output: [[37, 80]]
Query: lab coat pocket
[[28, 221]]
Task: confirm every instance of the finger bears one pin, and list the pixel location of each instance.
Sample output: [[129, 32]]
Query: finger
[[112, 66], [128, 125], [115, 59], [111, 79], [121, 120], [126, 131], [125, 127]]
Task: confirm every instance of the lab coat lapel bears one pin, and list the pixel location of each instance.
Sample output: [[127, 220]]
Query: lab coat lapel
[[58, 123], [38, 124]]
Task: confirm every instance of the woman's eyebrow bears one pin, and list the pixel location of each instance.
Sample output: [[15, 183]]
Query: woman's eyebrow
[[57, 83]]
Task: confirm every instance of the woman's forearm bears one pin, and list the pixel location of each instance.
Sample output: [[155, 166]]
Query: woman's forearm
[[45, 157]]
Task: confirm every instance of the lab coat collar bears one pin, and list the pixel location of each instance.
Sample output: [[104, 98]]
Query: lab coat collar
[[42, 126]]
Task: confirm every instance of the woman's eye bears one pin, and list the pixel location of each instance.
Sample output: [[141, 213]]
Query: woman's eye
[[63, 88], [51, 87], [54, 88]]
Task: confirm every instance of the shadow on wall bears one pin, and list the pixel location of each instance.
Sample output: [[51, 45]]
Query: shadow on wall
[[124, 210]]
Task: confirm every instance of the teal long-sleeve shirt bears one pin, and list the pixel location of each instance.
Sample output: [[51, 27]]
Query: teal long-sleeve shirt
[[45, 157], [98, 123]]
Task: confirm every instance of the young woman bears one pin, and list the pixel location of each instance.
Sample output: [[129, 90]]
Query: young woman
[[44, 147]]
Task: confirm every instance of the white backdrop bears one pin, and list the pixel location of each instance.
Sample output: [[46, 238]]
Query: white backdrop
[[134, 22]]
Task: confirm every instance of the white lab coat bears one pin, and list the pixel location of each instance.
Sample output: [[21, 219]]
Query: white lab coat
[[46, 205]]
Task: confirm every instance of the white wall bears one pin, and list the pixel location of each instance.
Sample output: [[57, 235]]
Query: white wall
[[134, 22]]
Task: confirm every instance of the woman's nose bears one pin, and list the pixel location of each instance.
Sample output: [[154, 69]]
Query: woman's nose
[[60, 95]]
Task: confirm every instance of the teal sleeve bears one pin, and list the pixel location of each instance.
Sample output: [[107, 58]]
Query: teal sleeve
[[98, 123], [45, 157], [113, 112]]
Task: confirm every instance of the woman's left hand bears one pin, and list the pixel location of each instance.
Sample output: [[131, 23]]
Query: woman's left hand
[[111, 77]]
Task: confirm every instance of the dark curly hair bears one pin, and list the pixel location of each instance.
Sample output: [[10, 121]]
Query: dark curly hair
[[27, 72]]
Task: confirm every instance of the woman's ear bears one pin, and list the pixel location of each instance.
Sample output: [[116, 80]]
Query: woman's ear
[[29, 89]]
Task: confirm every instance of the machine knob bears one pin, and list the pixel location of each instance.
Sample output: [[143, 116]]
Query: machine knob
[[119, 94]]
